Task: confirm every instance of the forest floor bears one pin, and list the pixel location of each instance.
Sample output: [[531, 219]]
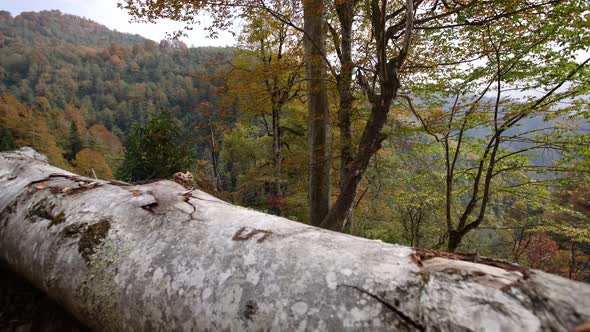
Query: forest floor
[[23, 308]]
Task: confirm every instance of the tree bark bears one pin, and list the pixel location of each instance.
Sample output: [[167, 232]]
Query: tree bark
[[315, 64], [276, 147], [388, 81], [160, 257], [345, 11], [213, 147], [370, 143], [455, 238]]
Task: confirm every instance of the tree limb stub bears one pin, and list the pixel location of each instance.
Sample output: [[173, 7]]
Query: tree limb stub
[[156, 257]]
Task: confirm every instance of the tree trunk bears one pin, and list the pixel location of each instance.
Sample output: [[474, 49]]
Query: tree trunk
[[276, 147], [213, 147], [319, 158], [370, 143], [156, 257], [455, 238], [373, 136], [345, 10]]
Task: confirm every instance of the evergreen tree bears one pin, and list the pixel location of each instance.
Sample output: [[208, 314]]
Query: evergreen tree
[[74, 143], [6, 140], [155, 150]]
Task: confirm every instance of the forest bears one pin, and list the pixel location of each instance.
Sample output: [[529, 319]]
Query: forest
[[452, 125]]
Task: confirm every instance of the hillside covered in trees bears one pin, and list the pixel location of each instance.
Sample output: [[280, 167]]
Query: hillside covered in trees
[[70, 86], [462, 157]]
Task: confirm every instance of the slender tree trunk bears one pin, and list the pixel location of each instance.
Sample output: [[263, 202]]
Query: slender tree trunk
[[276, 151], [345, 10], [157, 257], [372, 137], [319, 158], [231, 186], [213, 147], [370, 143], [416, 223], [572, 265], [449, 194], [276, 147], [464, 227]]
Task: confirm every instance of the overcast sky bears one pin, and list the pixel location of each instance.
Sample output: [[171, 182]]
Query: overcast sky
[[106, 12]]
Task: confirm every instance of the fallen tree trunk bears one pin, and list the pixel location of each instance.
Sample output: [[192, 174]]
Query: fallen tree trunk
[[160, 257]]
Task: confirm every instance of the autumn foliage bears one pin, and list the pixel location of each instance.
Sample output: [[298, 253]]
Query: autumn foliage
[[540, 252], [50, 133], [106, 142], [92, 163], [30, 129]]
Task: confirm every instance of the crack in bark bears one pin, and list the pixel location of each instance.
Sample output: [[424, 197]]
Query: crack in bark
[[74, 178], [187, 200], [194, 209], [150, 207], [83, 184], [425, 254], [405, 318], [186, 197], [208, 200], [80, 189], [119, 183]]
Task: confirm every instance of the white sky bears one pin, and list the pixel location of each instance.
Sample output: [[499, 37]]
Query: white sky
[[106, 12]]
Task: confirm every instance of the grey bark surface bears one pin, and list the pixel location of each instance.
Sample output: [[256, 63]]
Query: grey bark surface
[[314, 45], [158, 257]]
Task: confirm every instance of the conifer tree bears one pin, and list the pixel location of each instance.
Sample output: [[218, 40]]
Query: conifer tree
[[74, 142], [6, 140], [155, 150]]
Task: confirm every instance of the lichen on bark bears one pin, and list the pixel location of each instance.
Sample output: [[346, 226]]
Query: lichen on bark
[[98, 290], [92, 237]]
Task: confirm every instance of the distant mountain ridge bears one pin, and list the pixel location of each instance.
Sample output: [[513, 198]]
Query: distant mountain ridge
[[61, 66], [53, 24]]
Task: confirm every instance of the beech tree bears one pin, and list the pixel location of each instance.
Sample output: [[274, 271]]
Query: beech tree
[[404, 36], [342, 40], [265, 75], [315, 59], [318, 131], [155, 256], [397, 42], [516, 56], [211, 123]]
